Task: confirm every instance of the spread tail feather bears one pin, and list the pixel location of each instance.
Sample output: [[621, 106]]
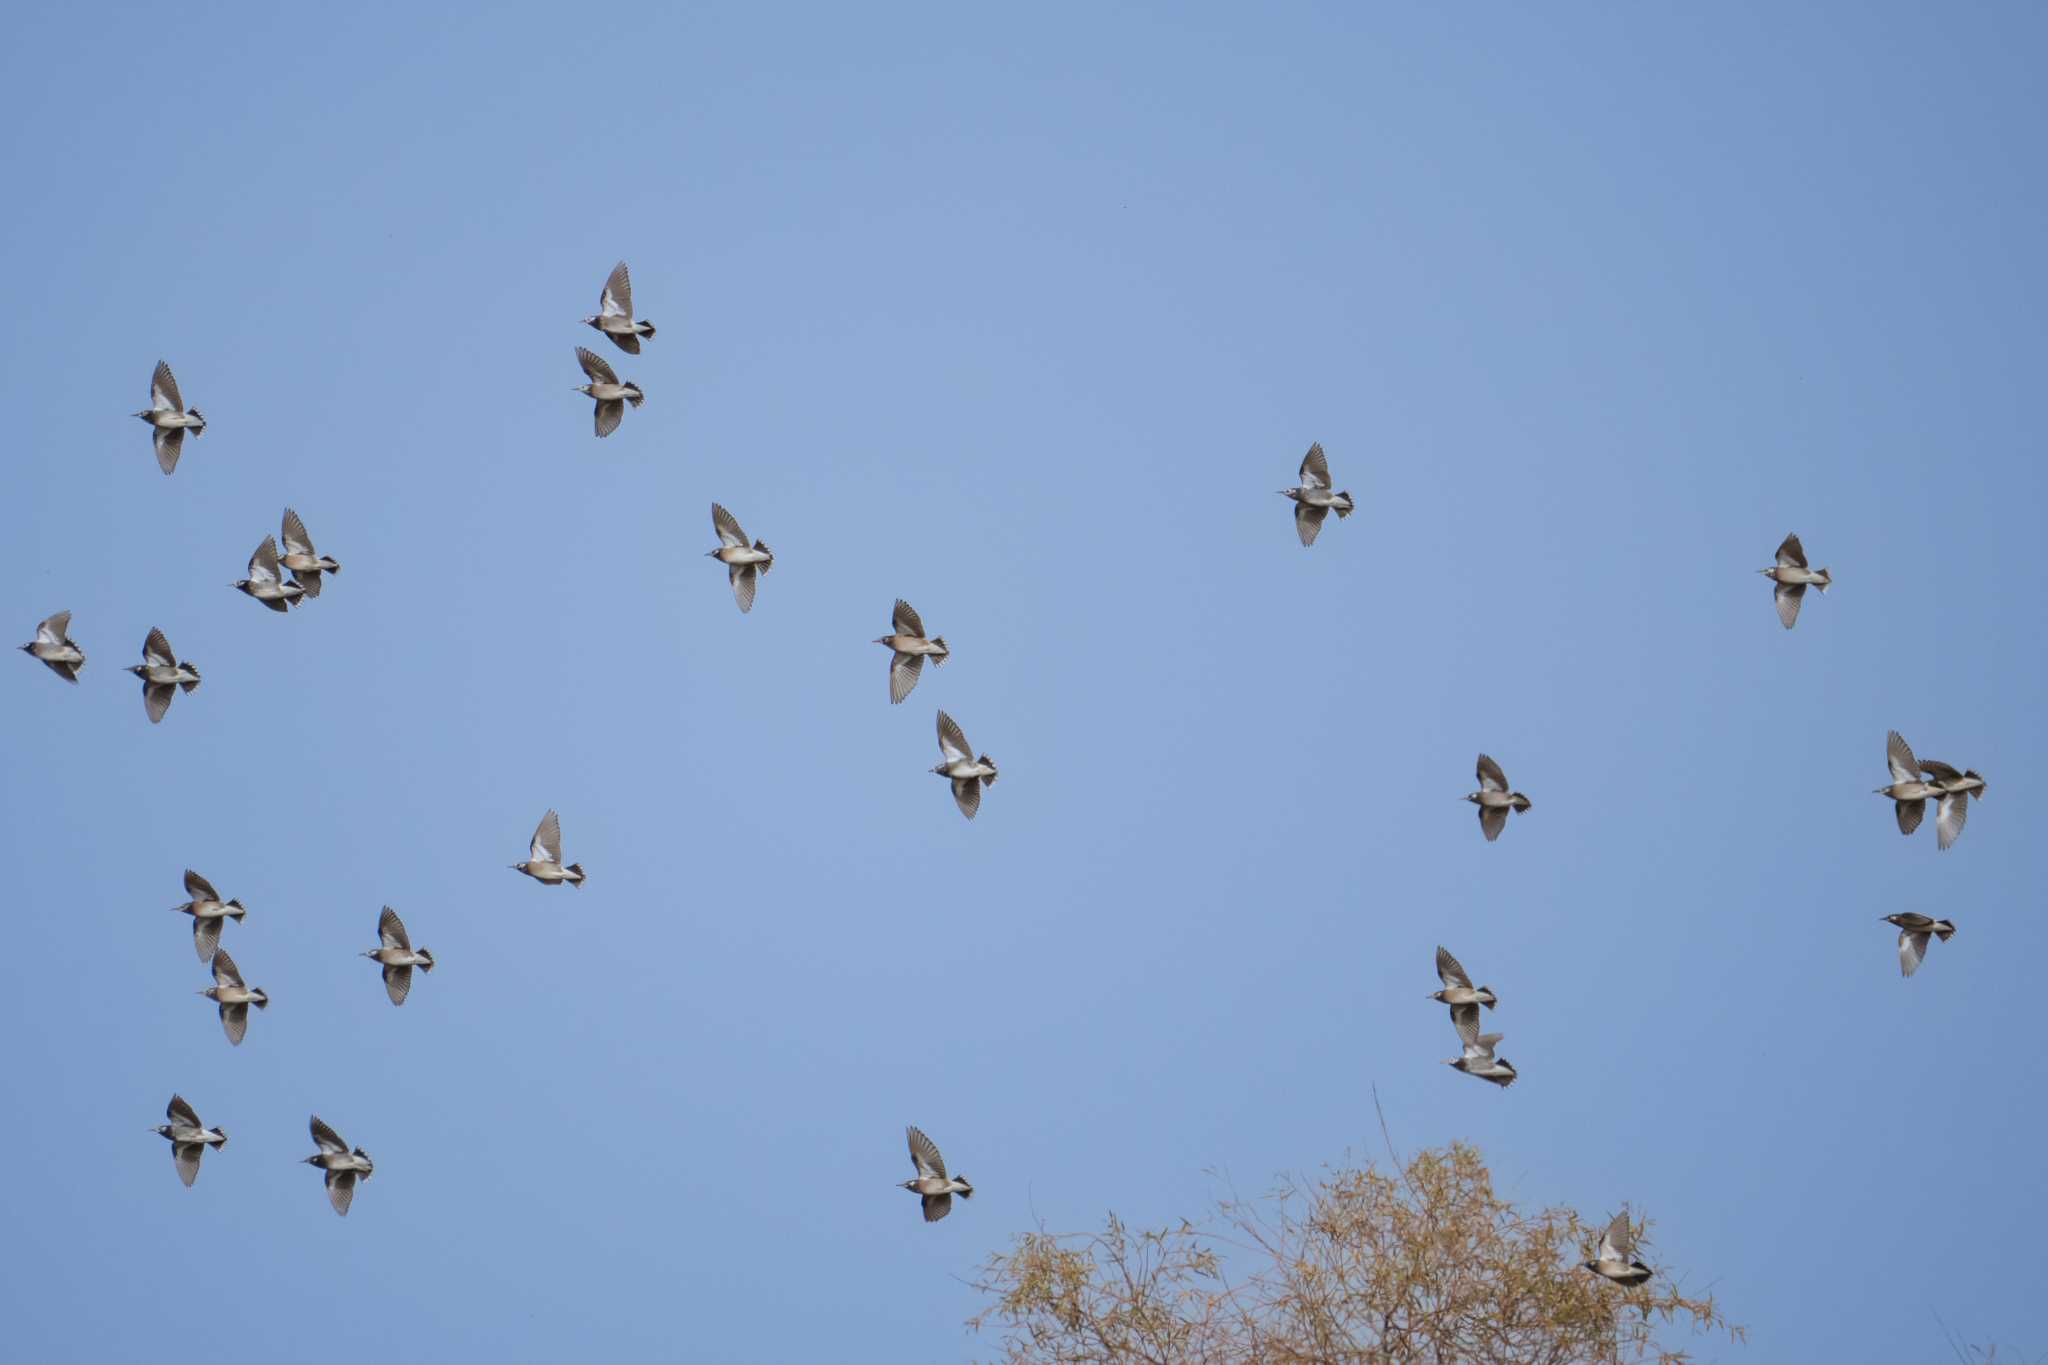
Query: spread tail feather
[[235, 911], [1344, 508], [938, 660], [1944, 931], [1826, 579], [646, 328], [576, 868]]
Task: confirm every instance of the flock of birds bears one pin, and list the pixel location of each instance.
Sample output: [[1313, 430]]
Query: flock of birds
[[283, 581]]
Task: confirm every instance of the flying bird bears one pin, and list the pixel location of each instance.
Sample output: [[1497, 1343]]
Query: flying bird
[[53, 646], [208, 911], [1479, 1059], [1494, 799], [967, 773], [1459, 994], [189, 1138], [544, 860], [162, 674], [1908, 793], [1617, 1259], [743, 562], [233, 997], [1313, 500], [398, 956], [1956, 791], [343, 1167], [266, 582], [1914, 931], [614, 316], [911, 648], [933, 1187], [305, 563], [604, 386], [1792, 577], [169, 416]]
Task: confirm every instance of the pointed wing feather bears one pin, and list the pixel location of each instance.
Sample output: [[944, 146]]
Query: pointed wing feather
[[595, 367], [325, 1138], [198, 888], [904, 671], [296, 541], [617, 299], [925, 1153], [952, 741], [547, 840], [391, 929], [263, 564], [1449, 970], [1792, 554], [181, 1112], [156, 649], [225, 973], [1315, 469], [1899, 755], [905, 620], [163, 389], [728, 527]]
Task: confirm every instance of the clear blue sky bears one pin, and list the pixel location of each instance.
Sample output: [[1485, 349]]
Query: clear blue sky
[[1022, 318]]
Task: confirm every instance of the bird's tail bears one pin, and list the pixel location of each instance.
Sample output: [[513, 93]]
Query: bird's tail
[[195, 412], [939, 659], [1981, 787], [576, 868], [1826, 578], [762, 546], [636, 398], [261, 999], [1486, 990], [1521, 801], [235, 907], [194, 684], [1944, 931], [426, 960], [646, 328], [967, 1189], [990, 764], [1344, 508]]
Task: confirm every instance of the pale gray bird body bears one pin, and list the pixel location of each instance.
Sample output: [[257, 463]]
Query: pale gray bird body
[[1479, 1059], [1792, 578], [306, 563], [208, 912], [967, 773], [1956, 790], [342, 1166], [266, 582], [1908, 793], [162, 675], [397, 955], [189, 1138], [1460, 994], [614, 316], [1313, 499], [911, 649], [544, 858], [933, 1187], [1494, 799], [169, 417], [1914, 931], [744, 563], [53, 646], [1616, 1260], [604, 387], [234, 997]]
